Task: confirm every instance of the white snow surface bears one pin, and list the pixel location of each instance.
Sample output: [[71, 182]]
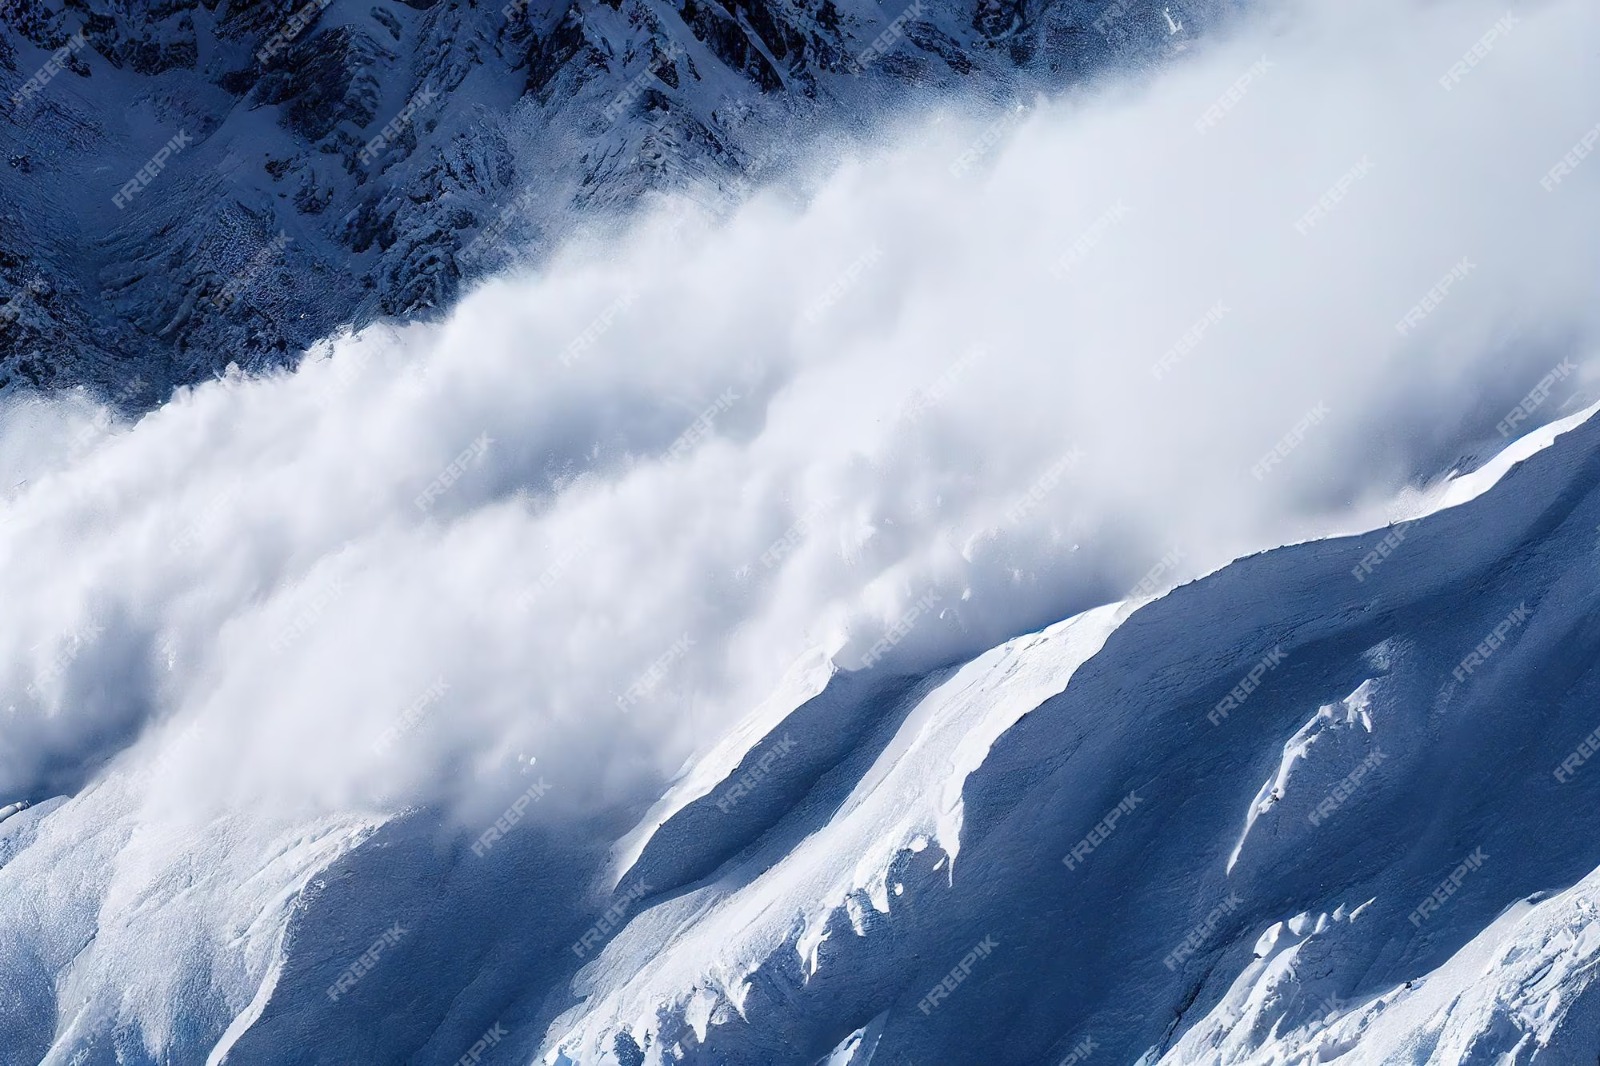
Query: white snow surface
[[447, 685]]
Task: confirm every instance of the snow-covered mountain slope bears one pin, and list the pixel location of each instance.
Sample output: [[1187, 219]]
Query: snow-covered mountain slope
[[1059, 842], [1078, 796], [193, 184], [1001, 613]]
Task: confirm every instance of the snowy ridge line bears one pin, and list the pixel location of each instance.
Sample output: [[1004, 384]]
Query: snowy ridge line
[[805, 680], [1527, 971], [869, 889], [809, 676], [782, 857], [941, 739]]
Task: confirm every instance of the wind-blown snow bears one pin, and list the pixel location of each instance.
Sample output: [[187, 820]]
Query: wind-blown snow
[[577, 530], [594, 529]]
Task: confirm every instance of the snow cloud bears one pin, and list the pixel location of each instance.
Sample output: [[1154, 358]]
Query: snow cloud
[[986, 372]]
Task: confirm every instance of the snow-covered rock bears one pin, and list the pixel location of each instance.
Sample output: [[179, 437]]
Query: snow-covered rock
[[189, 185]]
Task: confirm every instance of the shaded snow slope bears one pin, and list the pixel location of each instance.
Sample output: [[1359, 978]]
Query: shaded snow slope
[[877, 862], [1467, 767], [758, 643]]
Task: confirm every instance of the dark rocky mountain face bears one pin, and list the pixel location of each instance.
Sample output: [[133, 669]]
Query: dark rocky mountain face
[[194, 183]]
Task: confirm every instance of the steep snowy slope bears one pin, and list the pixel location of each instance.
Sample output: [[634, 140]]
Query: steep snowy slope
[[1085, 827], [840, 630], [1067, 841]]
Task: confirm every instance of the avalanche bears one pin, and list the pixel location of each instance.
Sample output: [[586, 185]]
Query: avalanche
[[693, 649]]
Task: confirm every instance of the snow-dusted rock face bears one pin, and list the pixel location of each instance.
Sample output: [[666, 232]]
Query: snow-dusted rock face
[[191, 184]]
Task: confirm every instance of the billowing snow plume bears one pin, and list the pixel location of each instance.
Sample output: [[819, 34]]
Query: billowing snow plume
[[991, 371]]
